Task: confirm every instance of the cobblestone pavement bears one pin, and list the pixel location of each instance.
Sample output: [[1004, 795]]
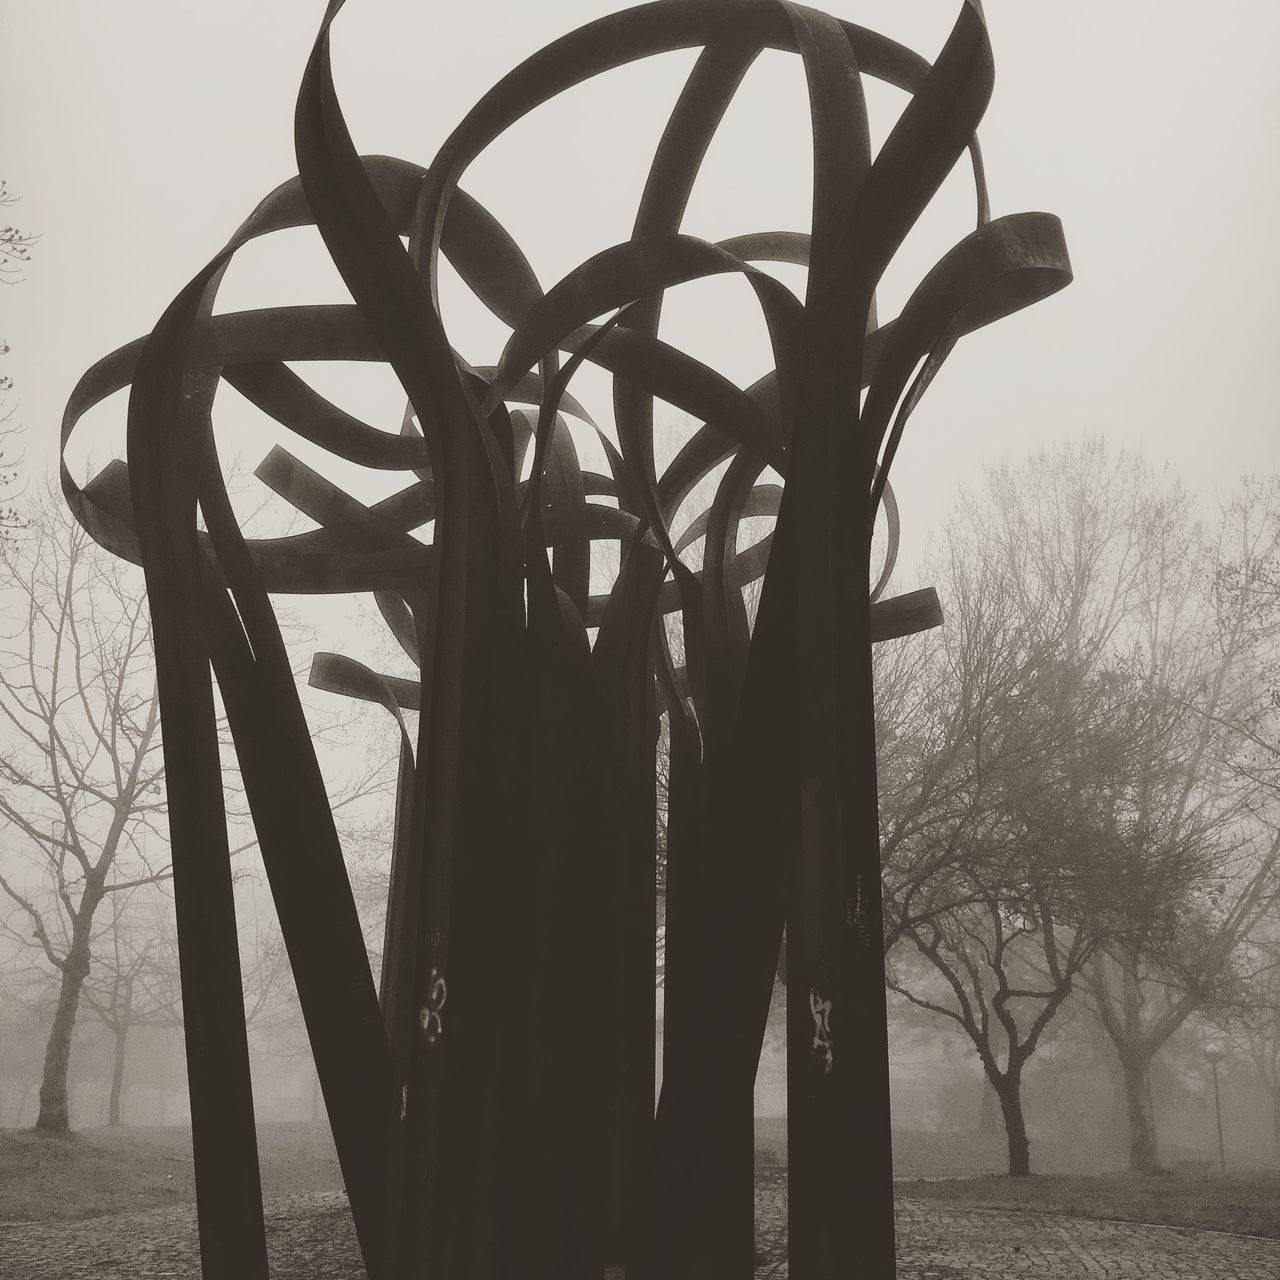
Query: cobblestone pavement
[[310, 1238], [956, 1242], [952, 1242]]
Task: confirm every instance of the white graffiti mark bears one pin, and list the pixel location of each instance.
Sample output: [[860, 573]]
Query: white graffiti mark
[[821, 1011], [431, 1018]]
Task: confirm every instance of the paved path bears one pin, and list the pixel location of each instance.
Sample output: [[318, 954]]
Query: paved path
[[954, 1242], [310, 1238]]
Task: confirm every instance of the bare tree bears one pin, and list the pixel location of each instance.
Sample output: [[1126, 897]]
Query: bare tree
[[1021, 891], [82, 785], [1015, 831], [10, 518], [940, 770], [126, 988], [136, 983], [83, 800], [15, 250], [15, 244], [1206, 642], [22, 1021]]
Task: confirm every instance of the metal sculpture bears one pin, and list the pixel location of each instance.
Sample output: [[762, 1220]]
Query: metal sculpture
[[486, 1125]]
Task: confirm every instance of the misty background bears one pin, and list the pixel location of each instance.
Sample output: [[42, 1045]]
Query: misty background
[[1091, 486]]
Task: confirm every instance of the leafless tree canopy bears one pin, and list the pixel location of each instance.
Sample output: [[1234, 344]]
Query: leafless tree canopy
[[1078, 772]]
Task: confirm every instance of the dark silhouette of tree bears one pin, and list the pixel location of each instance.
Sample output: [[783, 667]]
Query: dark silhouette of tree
[[82, 789], [82, 799], [1001, 930], [1019, 769]]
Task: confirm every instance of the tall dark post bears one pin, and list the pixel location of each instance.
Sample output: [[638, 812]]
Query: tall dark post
[[1215, 1054]]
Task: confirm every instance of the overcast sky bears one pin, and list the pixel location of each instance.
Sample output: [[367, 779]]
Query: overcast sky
[[141, 132]]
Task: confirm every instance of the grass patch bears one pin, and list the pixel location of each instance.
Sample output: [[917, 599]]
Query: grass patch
[[919, 1154], [99, 1172], [1244, 1203], [104, 1172]]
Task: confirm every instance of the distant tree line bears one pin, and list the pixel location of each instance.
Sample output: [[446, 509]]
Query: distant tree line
[[1079, 771], [86, 919], [1079, 774]]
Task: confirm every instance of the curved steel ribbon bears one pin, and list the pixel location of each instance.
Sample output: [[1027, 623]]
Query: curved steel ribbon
[[513, 1133]]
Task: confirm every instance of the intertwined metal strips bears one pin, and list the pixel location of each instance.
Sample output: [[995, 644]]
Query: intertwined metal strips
[[492, 1103]]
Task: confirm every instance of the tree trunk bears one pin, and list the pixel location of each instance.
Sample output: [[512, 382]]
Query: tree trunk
[[1143, 1154], [1275, 1125], [22, 1104], [1015, 1126], [117, 1073], [55, 1112], [987, 1110]]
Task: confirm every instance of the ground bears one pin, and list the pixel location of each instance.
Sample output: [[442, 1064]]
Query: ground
[[960, 1242], [1246, 1204], [310, 1238], [73, 1209], [104, 1172]]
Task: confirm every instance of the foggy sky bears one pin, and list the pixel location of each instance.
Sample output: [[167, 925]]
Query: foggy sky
[[141, 133]]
